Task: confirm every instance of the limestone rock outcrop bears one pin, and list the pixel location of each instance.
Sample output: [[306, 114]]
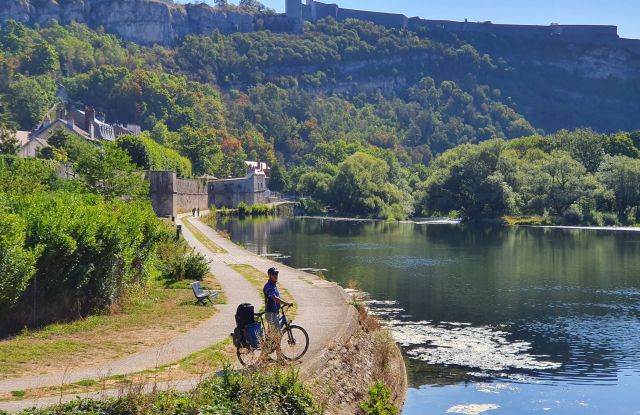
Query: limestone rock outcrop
[[141, 21]]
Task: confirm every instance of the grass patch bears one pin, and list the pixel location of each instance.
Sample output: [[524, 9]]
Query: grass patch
[[86, 382], [18, 394], [274, 392], [200, 363], [526, 220], [144, 319], [202, 238], [258, 279]]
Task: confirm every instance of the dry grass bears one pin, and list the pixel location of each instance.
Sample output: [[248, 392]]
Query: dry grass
[[197, 365], [145, 319], [202, 238]]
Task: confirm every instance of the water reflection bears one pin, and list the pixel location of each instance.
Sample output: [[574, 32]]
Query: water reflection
[[565, 301]]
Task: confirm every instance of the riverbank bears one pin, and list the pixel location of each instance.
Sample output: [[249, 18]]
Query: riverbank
[[325, 310]]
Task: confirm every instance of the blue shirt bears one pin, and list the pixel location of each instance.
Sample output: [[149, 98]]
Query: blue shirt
[[270, 290]]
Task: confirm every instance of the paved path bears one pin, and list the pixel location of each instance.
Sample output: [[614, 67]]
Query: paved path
[[322, 309]]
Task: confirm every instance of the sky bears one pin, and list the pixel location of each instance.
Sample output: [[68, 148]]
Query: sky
[[623, 13]]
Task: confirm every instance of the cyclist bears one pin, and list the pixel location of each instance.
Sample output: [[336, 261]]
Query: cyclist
[[272, 299]]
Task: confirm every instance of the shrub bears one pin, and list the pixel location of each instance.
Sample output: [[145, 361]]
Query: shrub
[[610, 219], [91, 250], [17, 264], [594, 218], [572, 216], [243, 209], [379, 401], [249, 393], [196, 266]]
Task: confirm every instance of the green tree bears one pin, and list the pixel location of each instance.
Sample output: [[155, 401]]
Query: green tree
[[316, 185], [468, 179], [621, 175], [567, 181], [28, 100], [108, 171], [8, 141], [361, 187], [584, 145], [43, 59], [621, 144], [279, 178], [201, 148]]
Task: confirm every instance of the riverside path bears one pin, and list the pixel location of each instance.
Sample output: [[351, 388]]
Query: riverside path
[[323, 309]]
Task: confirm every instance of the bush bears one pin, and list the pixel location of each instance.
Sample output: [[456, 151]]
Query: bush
[[572, 216], [379, 401], [17, 264], [90, 251], [610, 219], [594, 218], [196, 266], [248, 393]]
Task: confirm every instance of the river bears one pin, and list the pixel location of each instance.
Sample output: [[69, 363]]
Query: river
[[492, 320]]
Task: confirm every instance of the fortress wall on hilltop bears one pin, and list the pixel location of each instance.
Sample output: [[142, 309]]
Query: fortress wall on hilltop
[[390, 20], [154, 21], [315, 10]]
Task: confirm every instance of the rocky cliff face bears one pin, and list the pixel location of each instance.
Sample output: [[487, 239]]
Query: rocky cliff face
[[141, 21]]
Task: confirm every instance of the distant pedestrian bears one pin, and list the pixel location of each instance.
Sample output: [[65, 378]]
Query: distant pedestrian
[[198, 212], [193, 212]]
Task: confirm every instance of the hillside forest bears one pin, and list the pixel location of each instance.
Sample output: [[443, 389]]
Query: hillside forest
[[354, 118]]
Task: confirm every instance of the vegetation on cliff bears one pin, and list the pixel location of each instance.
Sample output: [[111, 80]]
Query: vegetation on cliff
[[352, 114]]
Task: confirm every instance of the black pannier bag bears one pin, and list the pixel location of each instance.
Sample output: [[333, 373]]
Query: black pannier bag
[[244, 316]]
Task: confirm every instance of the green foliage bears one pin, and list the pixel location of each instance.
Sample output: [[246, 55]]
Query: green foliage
[[29, 98], [378, 401], [107, 171], [17, 263], [178, 262], [61, 243], [249, 393], [8, 142], [70, 146], [468, 179], [147, 154], [621, 175], [279, 178], [362, 187], [254, 210]]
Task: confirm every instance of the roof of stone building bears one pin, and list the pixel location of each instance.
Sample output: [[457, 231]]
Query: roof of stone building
[[23, 137], [62, 123]]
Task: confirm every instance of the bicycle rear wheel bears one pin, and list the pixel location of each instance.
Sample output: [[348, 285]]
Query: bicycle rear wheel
[[294, 342], [248, 356]]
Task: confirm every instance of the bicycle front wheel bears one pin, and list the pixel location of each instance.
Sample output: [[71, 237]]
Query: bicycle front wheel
[[294, 342]]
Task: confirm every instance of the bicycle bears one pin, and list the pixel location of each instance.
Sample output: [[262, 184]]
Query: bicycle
[[294, 341]]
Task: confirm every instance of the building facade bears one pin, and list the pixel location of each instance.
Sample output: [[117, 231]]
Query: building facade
[[171, 195], [250, 189]]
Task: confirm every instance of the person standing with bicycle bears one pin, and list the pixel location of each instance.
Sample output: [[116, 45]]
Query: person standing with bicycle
[[272, 299], [289, 341]]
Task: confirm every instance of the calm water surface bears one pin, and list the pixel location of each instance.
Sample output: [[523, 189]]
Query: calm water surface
[[503, 320]]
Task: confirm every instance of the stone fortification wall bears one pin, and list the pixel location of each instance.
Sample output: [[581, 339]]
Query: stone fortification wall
[[571, 32], [192, 193], [170, 195], [315, 10], [230, 193], [390, 20]]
